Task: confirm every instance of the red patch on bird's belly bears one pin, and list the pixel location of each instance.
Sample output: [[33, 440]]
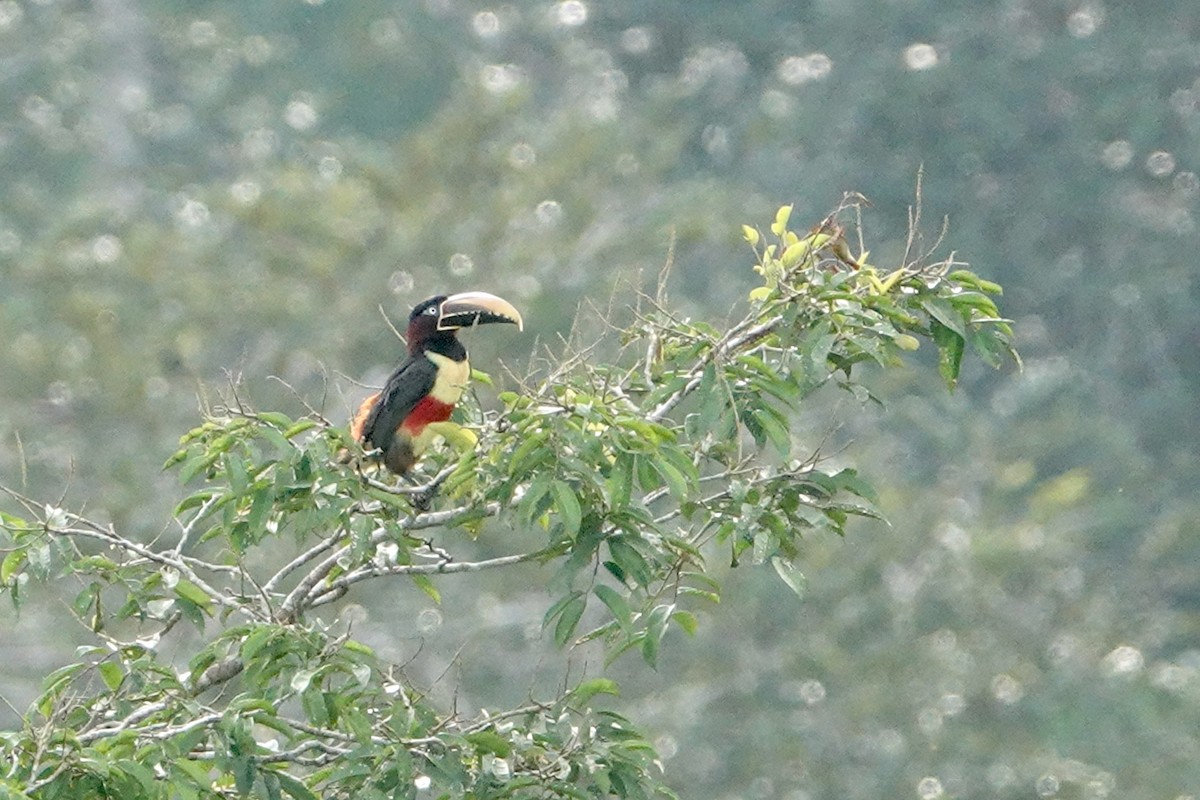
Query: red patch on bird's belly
[[426, 411]]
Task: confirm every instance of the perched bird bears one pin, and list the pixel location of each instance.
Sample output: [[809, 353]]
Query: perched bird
[[424, 389]]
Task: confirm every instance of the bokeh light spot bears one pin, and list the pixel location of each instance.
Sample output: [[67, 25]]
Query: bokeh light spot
[[1124, 660], [10, 14], [202, 33], [548, 213], [401, 282], [522, 155], [1117, 155], [571, 13], [106, 248], [1160, 163], [300, 115], [1046, 786], [461, 265], [1007, 690], [428, 620], [796, 70], [10, 241], [485, 24], [245, 192], [192, 213], [1186, 184], [920, 56], [1085, 20], [500, 78], [637, 40], [929, 787]]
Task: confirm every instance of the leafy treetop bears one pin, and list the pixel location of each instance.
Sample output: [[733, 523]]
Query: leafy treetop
[[637, 465]]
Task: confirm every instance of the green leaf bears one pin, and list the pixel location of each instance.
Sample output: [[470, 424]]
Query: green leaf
[[276, 418], [302, 679], [529, 453], [788, 573], [235, 471], [200, 772], [358, 724], [264, 498], [270, 782], [277, 439], [12, 563], [677, 484], [950, 352], [968, 278], [781, 220], [686, 620], [256, 640], [792, 255], [194, 464], [631, 562], [176, 457], [193, 593], [585, 691], [849, 480], [692, 591], [294, 787], [316, 709], [299, 428], [569, 618], [193, 501], [425, 584], [945, 313], [355, 646], [773, 428], [142, 774], [759, 294], [111, 673], [536, 499], [965, 301], [656, 628], [557, 608], [620, 481], [821, 348], [569, 511], [490, 742], [616, 603]]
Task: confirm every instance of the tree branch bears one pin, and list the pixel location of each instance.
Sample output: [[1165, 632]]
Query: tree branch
[[337, 587], [305, 591], [739, 337]]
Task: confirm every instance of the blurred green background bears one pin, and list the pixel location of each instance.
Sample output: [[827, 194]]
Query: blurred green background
[[196, 193]]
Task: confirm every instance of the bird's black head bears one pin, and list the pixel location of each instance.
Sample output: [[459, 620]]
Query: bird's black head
[[440, 317]]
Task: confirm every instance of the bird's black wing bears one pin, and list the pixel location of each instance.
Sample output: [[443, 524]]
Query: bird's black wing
[[411, 381]]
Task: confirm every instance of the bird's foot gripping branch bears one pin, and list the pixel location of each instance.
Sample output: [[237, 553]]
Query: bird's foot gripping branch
[[615, 477]]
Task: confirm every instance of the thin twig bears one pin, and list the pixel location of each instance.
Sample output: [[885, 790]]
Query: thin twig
[[444, 567], [289, 611]]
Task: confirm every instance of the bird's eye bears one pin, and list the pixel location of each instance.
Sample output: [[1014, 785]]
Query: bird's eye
[[431, 310]]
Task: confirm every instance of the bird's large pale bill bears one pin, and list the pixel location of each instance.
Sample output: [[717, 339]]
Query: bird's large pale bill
[[477, 308]]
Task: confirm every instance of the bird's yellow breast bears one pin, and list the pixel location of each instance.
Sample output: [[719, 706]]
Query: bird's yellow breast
[[452, 378]]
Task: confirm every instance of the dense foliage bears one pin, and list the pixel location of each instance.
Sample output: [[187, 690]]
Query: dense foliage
[[636, 471], [204, 191]]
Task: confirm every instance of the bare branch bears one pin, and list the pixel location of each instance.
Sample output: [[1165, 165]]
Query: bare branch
[[272, 585], [306, 590], [660, 299], [338, 586], [741, 337], [200, 514]]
